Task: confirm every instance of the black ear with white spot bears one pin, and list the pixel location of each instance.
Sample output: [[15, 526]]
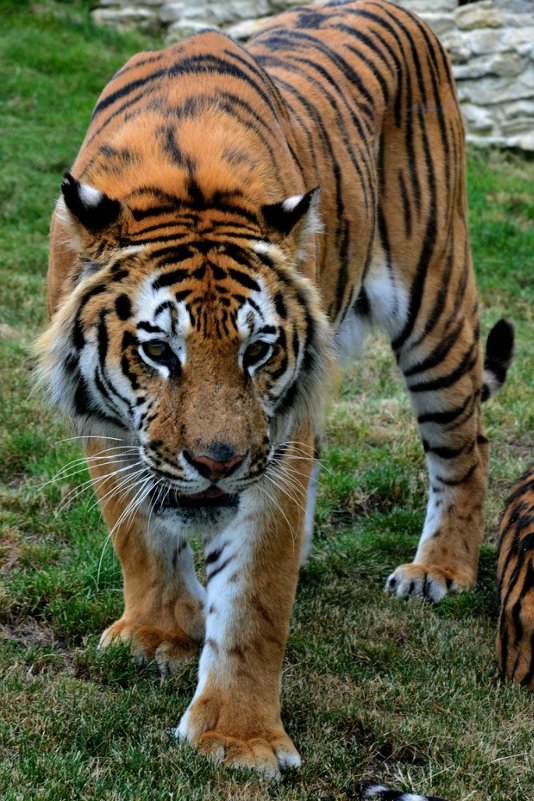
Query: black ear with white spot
[[283, 217], [89, 206]]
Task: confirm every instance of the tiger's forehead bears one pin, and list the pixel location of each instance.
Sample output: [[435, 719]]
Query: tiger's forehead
[[210, 295]]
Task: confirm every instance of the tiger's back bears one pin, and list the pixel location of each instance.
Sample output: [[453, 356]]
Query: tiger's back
[[375, 123], [515, 575]]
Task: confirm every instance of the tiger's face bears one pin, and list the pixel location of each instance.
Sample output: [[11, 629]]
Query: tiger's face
[[200, 356]]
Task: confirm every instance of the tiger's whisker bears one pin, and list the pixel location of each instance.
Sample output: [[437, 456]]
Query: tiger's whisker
[[120, 487], [86, 436], [64, 473], [76, 492], [283, 489]]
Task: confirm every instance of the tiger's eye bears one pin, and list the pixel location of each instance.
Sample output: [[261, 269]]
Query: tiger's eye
[[256, 350], [255, 353], [159, 351]]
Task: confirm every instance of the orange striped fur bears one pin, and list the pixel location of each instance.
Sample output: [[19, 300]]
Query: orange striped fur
[[515, 574]]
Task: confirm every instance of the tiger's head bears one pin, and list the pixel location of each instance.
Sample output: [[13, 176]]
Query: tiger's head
[[188, 331]]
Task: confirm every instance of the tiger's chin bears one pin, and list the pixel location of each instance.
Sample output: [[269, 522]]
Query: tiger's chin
[[203, 512]]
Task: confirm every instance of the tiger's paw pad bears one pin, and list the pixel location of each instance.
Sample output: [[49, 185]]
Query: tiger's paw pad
[[267, 754], [167, 647], [425, 581]]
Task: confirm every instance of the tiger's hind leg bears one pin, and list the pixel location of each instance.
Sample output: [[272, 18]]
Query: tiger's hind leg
[[163, 616], [440, 357]]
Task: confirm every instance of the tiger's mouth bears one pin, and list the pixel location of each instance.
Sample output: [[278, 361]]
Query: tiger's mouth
[[213, 497]]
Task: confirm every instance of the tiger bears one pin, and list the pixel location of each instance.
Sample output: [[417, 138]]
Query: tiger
[[235, 221], [515, 581]]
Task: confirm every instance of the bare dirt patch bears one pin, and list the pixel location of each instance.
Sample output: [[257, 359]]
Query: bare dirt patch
[[28, 633], [10, 550], [45, 650]]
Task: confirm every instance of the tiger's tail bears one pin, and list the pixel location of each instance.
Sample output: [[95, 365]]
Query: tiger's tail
[[499, 354], [369, 790]]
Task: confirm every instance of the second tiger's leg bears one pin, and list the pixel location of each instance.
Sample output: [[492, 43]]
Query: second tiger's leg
[[251, 571], [442, 365], [163, 616]]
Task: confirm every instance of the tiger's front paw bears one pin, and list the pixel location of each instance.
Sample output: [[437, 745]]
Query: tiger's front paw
[[426, 581], [168, 647], [207, 725]]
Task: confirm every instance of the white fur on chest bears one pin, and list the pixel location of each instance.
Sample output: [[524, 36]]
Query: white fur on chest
[[388, 303]]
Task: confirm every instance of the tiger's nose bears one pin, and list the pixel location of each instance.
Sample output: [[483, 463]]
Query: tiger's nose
[[211, 468]]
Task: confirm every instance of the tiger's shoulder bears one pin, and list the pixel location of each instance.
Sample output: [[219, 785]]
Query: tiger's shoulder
[[515, 574]]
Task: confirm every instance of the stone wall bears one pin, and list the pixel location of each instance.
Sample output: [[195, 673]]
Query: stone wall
[[178, 18], [490, 43], [491, 46]]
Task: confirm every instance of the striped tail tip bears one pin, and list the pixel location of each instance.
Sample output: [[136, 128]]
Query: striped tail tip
[[369, 791], [499, 353]]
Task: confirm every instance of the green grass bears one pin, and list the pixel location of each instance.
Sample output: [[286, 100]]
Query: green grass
[[373, 688]]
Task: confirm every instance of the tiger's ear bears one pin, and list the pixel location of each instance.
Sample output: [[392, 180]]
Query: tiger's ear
[[283, 217], [88, 206]]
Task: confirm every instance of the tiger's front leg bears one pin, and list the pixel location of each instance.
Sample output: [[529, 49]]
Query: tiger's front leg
[[251, 570], [163, 616]]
